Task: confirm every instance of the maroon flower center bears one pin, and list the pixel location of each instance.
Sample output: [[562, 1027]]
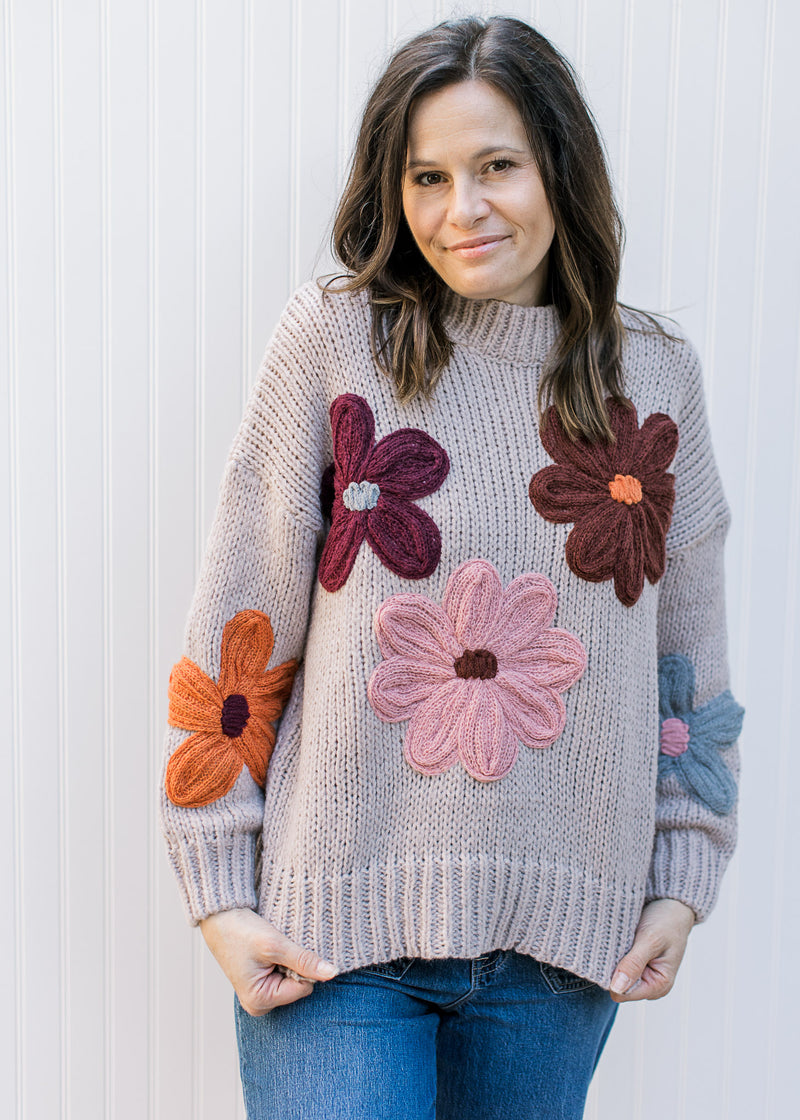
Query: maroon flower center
[[625, 488], [235, 714], [480, 663]]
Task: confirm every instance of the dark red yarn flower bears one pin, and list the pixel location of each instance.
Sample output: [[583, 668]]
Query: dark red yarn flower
[[620, 497], [369, 492]]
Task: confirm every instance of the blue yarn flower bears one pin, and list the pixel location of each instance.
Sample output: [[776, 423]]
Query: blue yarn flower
[[691, 741]]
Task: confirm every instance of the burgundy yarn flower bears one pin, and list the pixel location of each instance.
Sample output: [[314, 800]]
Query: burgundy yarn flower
[[369, 492], [620, 497], [477, 674]]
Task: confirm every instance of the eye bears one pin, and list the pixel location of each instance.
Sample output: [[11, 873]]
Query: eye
[[501, 164], [425, 178]]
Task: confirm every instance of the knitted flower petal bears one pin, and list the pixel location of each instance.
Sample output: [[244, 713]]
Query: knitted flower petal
[[703, 772], [269, 691], [398, 686], [654, 541], [247, 643], [486, 745], [407, 463], [527, 608], [630, 559], [431, 744], [536, 714], [195, 701], [556, 659], [561, 493], [592, 546], [353, 429], [656, 444], [255, 746], [341, 547], [719, 722], [585, 457], [201, 770], [472, 599], [412, 626], [625, 423], [675, 686], [403, 537]]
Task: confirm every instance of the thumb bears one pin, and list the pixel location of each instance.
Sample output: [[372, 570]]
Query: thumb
[[630, 968], [303, 963]]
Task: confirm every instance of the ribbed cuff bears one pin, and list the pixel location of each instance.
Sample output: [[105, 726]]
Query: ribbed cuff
[[215, 870], [685, 866]]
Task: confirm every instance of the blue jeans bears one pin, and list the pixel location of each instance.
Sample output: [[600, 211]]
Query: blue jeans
[[500, 1036]]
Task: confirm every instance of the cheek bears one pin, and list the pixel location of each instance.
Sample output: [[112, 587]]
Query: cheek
[[421, 220]]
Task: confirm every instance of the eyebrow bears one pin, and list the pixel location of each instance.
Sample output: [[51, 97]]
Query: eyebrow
[[414, 163]]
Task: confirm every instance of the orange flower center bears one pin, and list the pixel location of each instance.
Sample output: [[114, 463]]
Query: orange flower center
[[235, 714], [480, 663], [625, 488]]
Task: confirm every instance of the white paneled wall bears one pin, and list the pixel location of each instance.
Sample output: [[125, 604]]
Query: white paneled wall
[[169, 173]]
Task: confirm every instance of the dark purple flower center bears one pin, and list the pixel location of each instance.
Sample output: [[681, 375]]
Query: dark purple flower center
[[480, 663], [235, 714]]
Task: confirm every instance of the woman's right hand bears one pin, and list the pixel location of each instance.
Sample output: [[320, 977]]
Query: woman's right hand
[[248, 949]]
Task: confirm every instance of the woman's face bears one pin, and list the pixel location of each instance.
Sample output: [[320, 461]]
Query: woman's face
[[473, 197]]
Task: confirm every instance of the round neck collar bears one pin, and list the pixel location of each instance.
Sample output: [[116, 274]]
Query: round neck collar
[[503, 330]]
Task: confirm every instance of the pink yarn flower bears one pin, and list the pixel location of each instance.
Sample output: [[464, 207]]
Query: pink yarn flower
[[369, 492], [476, 675]]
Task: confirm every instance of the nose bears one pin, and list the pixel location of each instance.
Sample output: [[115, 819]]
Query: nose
[[468, 203]]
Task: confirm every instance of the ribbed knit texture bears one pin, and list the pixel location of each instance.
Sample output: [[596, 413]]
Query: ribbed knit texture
[[353, 848]]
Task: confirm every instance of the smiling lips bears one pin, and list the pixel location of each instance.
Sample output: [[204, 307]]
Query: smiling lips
[[477, 246]]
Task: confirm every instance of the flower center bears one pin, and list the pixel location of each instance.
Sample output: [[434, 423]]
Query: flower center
[[235, 714], [361, 495], [674, 737], [625, 488], [480, 663]]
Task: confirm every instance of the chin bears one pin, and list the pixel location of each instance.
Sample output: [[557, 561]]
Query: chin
[[475, 289]]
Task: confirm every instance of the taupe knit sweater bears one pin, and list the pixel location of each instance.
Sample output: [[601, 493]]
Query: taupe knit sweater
[[472, 755]]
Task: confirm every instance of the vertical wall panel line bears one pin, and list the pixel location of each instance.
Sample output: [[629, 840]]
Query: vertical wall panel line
[[712, 280], [152, 1041], [294, 147], [625, 109], [668, 221], [18, 951], [343, 107], [580, 37], [751, 455], [199, 448], [106, 1074], [787, 735], [248, 70], [62, 744]]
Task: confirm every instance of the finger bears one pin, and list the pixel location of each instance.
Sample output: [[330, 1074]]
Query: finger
[[645, 949], [303, 962], [656, 980], [273, 990]]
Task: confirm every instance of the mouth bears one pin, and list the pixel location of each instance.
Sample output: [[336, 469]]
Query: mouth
[[477, 246]]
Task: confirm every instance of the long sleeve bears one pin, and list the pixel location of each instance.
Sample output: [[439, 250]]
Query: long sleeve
[[699, 763], [227, 692]]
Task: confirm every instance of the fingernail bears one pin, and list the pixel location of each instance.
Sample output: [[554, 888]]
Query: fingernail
[[620, 983], [326, 969]]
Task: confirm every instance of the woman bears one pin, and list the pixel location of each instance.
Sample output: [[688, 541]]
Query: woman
[[475, 612]]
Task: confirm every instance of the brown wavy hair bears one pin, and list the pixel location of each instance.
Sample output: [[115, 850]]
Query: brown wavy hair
[[372, 240]]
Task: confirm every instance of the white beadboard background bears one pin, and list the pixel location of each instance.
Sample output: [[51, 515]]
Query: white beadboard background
[[169, 172]]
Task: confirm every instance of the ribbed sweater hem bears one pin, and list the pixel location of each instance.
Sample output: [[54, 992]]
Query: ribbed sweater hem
[[435, 908]]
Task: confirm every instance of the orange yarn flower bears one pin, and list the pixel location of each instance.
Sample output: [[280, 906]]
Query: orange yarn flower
[[232, 719]]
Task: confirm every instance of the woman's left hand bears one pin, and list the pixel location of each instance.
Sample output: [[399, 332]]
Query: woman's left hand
[[648, 969]]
